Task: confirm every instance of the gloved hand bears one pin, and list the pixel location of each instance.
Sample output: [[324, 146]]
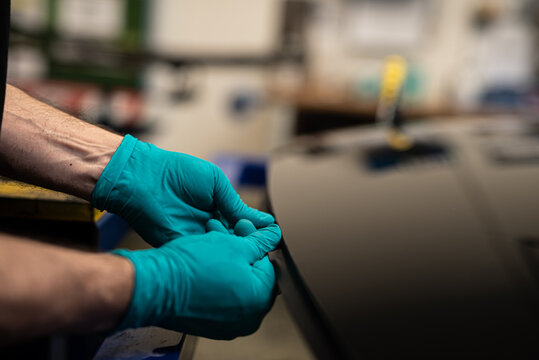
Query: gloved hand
[[164, 195], [214, 285]]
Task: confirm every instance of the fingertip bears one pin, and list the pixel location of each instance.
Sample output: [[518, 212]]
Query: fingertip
[[244, 228], [265, 218], [266, 239], [274, 229], [215, 225], [259, 218], [264, 215]]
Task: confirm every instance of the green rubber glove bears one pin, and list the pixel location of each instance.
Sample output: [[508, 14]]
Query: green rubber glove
[[164, 195], [215, 285]]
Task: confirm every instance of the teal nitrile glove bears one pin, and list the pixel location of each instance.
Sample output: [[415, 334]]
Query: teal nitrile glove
[[214, 285], [164, 195]]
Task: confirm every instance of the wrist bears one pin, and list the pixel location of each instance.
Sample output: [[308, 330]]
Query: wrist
[[110, 285], [94, 161], [142, 310]]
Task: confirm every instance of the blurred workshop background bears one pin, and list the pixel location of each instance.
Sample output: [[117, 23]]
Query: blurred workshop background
[[241, 76], [229, 80]]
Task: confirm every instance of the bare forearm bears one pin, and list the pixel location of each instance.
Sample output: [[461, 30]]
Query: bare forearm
[[46, 289], [44, 146]]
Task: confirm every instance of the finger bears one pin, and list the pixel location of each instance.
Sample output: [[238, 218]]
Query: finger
[[262, 219], [264, 240], [232, 207], [244, 228], [265, 273], [216, 225]]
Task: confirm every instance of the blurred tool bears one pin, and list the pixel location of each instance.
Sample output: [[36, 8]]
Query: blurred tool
[[399, 148], [387, 113]]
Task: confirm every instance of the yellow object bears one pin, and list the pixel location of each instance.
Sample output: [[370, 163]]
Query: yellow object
[[21, 200], [399, 141], [393, 79]]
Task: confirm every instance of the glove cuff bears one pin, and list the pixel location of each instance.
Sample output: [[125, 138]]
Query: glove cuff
[[140, 312], [111, 173]]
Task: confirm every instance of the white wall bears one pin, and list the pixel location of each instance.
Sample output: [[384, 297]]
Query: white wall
[[214, 27], [205, 126]]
